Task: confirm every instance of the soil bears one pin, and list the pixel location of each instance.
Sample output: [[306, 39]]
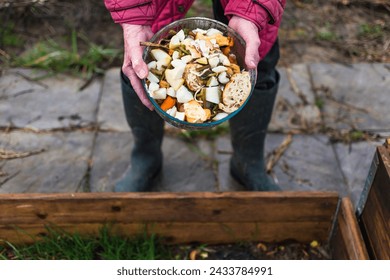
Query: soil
[[287, 250], [344, 31]]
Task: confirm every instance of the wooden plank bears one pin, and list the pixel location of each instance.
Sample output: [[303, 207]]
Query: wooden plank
[[179, 217], [181, 233], [166, 207], [347, 242], [375, 218]]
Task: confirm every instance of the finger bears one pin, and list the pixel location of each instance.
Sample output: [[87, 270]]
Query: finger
[[139, 66], [252, 41], [138, 87], [249, 33], [252, 57]]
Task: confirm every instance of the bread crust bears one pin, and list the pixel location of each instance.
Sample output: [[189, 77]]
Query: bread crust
[[235, 92]]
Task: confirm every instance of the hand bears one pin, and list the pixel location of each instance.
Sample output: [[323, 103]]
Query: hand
[[250, 33], [133, 65]]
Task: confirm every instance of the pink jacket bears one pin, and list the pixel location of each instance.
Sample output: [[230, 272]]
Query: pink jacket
[[266, 14]]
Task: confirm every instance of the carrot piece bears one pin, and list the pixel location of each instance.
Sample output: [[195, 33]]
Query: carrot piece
[[168, 103], [163, 84], [231, 41], [226, 51]]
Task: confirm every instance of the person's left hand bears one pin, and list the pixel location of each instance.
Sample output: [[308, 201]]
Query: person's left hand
[[250, 33]]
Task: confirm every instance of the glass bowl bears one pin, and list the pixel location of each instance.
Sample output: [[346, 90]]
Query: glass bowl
[[238, 49]]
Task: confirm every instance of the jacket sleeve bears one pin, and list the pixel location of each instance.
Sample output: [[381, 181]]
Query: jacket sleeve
[[260, 12], [140, 12]]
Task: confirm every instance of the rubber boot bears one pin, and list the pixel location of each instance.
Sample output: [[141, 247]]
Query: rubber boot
[[249, 127], [146, 157]]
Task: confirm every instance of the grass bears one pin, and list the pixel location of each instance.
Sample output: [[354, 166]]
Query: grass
[[54, 57], [9, 37], [325, 32], [326, 35], [202, 9], [319, 102], [59, 245], [209, 134], [370, 31]]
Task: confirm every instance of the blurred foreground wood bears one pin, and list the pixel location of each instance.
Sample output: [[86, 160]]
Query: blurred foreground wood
[[208, 218], [374, 208]]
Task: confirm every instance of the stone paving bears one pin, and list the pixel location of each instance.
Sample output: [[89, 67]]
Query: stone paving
[[55, 137]]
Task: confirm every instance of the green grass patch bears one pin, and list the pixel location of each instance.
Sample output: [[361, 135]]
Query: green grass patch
[[371, 31], [319, 102], [9, 38], [201, 8], [357, 135], [52, 56], [59, 245], [326, 33], [210, 134]]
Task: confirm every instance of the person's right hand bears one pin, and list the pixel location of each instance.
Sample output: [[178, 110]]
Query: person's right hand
[[250, 33], [133, 65]]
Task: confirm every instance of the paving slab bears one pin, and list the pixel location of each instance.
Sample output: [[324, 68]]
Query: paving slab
[[355, 161], [110, 159], [56, 162], [111, 115], [223, 154], [354, 95], [294, 97], [186, 167], [308, 164], [49, 103]]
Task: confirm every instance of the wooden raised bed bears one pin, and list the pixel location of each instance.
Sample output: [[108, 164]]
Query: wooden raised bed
[[209, 218], [374, 207]]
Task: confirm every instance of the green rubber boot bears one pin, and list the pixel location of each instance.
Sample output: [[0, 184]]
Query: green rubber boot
[[249, 127], [146, 157]]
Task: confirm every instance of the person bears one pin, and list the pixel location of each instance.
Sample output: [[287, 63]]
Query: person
[[257, 21]]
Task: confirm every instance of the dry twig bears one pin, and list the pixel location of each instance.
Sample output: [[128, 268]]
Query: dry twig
[[295, 87], [278, 153], [153, 45], [8, 154]]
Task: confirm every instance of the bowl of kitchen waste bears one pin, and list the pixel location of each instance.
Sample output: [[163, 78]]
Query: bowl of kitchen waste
[[197, 77]]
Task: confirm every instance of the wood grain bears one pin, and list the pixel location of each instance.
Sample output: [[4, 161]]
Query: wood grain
[[347, 242], [375, 218], [180, 207], [180, 217], [182, 233]]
